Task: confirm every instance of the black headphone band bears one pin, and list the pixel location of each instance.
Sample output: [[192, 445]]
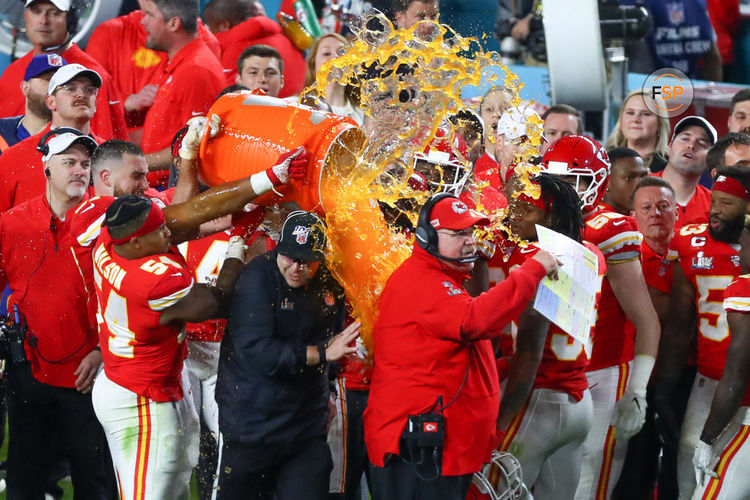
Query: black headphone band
[[426, 235], [42, 146]]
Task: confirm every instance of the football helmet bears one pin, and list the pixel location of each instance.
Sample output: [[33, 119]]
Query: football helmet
[[450, 157], [580, 157], [514, 123], [501, 479]]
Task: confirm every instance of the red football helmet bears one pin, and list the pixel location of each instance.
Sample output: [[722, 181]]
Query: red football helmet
[[580, 156], [451, 157]]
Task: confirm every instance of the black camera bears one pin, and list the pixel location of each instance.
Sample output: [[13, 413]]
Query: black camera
[[12, 336]]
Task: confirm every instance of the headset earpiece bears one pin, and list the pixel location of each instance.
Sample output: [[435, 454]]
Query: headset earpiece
[[425, 234], [42, 146], [47, 172]]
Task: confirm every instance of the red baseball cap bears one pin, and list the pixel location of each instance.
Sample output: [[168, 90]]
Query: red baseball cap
[[452, 213]]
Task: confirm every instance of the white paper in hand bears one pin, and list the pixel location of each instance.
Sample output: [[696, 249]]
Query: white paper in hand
[[570, 301]]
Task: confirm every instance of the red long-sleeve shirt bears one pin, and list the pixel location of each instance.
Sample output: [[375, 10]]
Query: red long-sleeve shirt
[[430, 334]]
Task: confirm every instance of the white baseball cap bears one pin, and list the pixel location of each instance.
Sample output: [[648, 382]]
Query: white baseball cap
[[697, 121], [63, 5], [60, 143], [512, 123], [68, 72]]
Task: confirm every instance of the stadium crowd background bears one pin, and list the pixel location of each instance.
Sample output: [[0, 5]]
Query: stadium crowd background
[[647, 218]]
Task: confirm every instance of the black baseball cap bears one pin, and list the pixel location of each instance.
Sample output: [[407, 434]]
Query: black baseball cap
[[303, 236]]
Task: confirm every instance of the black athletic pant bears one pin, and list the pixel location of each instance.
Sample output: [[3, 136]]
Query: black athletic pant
[[647, 463], [296, 471], [36, 413], [399, 480]]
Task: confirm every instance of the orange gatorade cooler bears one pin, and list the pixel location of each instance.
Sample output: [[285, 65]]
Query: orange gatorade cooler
[[256, 130]]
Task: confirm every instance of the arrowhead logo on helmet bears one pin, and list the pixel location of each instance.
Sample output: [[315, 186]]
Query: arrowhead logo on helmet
[[585, 164]]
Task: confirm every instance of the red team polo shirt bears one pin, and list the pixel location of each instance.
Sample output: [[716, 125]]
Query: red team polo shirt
[[657, 270], [697, 208], [425, 321], [188, 87], [22, 172], [132, 65], [139, 353], [109, 119], [257, 30], [564, 359], [737, 299], [618, 239], [44, 278], [710, 266]]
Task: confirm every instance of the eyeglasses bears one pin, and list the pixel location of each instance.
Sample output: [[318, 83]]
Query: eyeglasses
[[88, 91], [303, 264], [462, 234]]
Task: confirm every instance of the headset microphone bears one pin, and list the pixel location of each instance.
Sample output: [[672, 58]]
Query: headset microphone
[[426, 235], [460, 260]]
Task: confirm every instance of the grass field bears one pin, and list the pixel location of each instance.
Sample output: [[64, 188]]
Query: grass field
[[66, 485]]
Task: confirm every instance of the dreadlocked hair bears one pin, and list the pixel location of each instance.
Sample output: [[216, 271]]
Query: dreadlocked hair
[[565, 205]]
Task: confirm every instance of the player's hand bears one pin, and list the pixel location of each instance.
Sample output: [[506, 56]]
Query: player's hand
[[629, 415], [142, 100], [191, 143], [86, 371], [550, 263], [705, 459], [339, 346], [236, 248], [292, 164]]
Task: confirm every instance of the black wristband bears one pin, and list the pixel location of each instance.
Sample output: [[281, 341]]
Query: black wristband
[[706, 439], [322, 353]]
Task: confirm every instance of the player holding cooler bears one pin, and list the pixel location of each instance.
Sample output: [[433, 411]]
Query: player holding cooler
[[145, 291]]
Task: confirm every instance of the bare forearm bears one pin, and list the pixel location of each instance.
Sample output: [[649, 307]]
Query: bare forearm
[[184, 219], [726, 402], [160, 160], [230, 272], [733, 384], [187, 183], [629, 287], [520, 381]]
